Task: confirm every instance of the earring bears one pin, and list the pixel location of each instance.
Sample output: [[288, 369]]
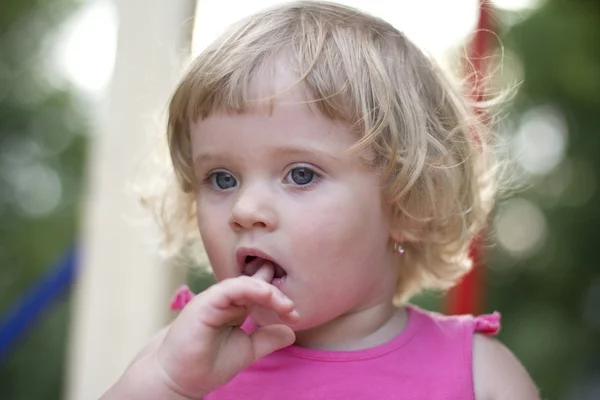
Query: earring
[[398, 248]]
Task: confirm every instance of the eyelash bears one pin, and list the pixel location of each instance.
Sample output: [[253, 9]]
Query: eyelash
[[208, 180], [316, 176]]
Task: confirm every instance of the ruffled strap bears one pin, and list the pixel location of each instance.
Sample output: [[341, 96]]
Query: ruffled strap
[[183, 295], [488, 324]]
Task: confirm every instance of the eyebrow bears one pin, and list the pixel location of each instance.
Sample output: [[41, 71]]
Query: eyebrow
[[303, 151], [277, 151]]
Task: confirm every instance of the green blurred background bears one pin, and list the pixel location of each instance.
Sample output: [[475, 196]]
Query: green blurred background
[[542, 271]]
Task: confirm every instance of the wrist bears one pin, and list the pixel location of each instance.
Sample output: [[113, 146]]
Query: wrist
[[146, 380]]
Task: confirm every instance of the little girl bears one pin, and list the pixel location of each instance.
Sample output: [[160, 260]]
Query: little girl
[[333, 172]]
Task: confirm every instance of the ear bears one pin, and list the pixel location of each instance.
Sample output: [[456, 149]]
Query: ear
[[396, 231], [395, 225]]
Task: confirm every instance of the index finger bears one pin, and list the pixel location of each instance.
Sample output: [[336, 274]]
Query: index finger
[[265, 273]]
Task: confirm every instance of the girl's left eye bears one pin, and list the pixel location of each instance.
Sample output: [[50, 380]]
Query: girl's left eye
[[301, 176]]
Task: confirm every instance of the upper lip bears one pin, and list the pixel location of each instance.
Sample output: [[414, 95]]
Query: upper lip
[[244, 252]]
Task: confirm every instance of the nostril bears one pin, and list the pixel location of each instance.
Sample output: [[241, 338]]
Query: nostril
[[238, 223]]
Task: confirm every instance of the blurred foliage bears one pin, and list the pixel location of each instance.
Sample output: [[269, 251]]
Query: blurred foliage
[[42, 155], [550, 298]]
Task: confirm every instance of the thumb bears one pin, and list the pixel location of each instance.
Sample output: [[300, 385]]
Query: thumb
[[268, 339]]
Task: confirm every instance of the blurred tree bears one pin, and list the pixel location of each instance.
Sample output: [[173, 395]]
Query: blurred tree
[[42, 153], [551, 296]]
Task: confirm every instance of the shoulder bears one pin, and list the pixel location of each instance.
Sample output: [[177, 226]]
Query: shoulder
[[497, 373]]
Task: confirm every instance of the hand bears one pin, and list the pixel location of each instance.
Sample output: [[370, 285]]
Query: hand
[[205, 348]]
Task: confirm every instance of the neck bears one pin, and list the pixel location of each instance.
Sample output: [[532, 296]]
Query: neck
[[360, 329]]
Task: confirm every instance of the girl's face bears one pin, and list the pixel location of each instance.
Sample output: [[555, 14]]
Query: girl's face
[[282, 186]]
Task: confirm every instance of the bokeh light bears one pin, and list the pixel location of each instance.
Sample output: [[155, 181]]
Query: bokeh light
[[37, 189], [540, 140], [35, 186], [86, 48], [517, 5], [520, 227]]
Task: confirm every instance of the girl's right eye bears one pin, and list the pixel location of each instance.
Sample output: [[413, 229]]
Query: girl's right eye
[[222, 180]]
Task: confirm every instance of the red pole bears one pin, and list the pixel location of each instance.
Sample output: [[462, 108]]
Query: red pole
[[466, 297]]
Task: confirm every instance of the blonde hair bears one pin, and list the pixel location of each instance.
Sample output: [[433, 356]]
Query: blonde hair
[[361, 71]]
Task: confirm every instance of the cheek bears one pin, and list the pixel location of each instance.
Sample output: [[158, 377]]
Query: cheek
[[342, 226], [213, 214], [213, 225]]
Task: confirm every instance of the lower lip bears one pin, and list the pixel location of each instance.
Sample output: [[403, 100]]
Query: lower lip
[[279, 281]]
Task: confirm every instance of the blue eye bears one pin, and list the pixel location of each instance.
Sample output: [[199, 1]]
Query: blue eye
[[222, 180], [301, 176]]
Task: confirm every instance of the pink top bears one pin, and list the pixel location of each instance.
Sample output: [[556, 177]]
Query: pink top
[[431, 359]]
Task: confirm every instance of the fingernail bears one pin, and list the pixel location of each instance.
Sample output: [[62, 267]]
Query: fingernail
[[294, 314]]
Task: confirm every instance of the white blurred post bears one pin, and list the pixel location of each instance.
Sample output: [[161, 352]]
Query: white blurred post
[[122, 291]]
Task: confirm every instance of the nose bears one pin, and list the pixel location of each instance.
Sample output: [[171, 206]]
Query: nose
[[253, 209]]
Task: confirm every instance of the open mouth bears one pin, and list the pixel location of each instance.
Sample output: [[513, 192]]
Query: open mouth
[[253, 264]]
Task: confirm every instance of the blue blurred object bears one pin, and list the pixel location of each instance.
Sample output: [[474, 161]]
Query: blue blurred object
[[20, 317]]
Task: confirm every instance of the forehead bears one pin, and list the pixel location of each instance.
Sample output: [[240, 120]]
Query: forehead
[[276, 80], [285, 122], [281, 104]]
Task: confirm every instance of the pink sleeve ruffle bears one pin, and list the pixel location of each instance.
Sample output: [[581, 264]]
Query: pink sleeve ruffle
[[488, 324], [181, 298]]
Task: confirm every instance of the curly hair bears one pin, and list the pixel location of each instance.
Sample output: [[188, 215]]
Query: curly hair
[[430, 148]]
